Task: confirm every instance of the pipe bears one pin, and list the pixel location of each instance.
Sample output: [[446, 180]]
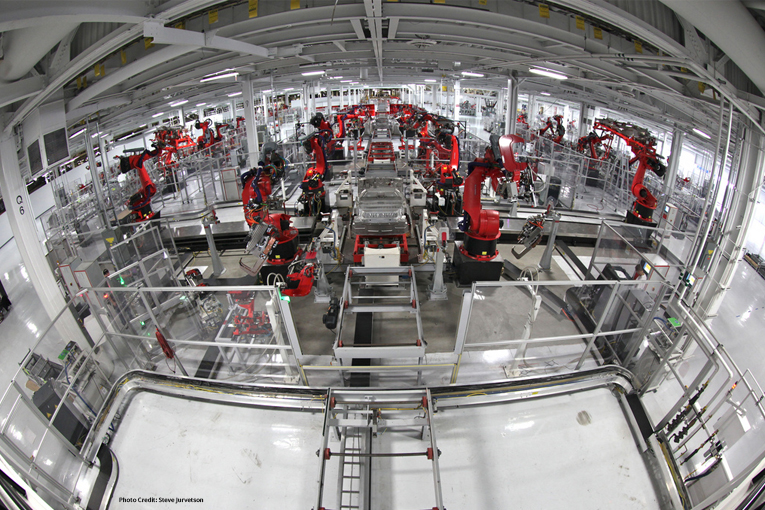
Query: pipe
[[25, 47], [704, 213], [728, 24]]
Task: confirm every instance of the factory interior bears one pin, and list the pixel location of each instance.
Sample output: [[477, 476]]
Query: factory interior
[[382, 254]]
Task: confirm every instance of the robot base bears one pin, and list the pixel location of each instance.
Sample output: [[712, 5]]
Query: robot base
[[471, 270], [634, 219], [269, 269]]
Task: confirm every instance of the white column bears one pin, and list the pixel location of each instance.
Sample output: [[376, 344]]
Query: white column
[[512, 106], [251, 126], [674, 162], [457, 97], [94, 175], [22, 220]]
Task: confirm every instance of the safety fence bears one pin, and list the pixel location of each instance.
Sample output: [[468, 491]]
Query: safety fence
[[248, 335]]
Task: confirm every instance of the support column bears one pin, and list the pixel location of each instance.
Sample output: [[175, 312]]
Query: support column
[[102, 215], [22, 221], [735, 224], [678, 137], [105, 166], [512, 106], [582, 118], [251, 126], [457, 97]]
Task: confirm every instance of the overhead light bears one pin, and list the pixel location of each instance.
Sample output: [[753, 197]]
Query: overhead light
[[544, 93], [94, 135], [701, 133], [78, 133], [548, 73], [335, 77], [268, 91], [290, 88], [431, 81], [234, 94], [157, 115], [179, 103], [104, 135], [354, 83], [219, 77], [312, 73], [143, 125], [468, 73], [346, 81], [201, 104]]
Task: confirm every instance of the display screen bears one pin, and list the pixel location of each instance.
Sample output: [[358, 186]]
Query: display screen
[[34, 157], [647, 268], [691, 279], [666, 208], [56, 147]]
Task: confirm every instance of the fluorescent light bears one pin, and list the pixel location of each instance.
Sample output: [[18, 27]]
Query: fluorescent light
[[143, 125], [234, 94], [179, 103], [94, 135], [157, 115], [548, 73], [701, 133], [290, 88], [201, 104], [219, 77], [346, 81], [544, 93], [312, 73], [104, 135], [78, 133], [268, 91], [468, 73], [431, 81], [335, 77]]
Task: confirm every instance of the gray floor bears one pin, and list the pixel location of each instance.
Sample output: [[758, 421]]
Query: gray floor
[[740, 322]]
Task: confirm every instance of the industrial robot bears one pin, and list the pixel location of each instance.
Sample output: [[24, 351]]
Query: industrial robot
[[643, 147], [557, 132], [210, 135], [313, 200], [258, 183], [477, 257], [140, 201], [446, 200]]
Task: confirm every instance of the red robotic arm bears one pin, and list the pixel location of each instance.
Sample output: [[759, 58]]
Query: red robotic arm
[[643, 147], [140, 202], [482, 226]]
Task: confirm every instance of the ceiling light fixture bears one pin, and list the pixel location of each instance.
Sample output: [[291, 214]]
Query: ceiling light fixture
[[701, 133], [548, 73], [312, 73], [78, 133], [201, 104], [346, 81], [219, 77], [335, 77], [268, 91], [431, 81], [179, 103], [157, 115], [234, 94], [290, 88], [544, 93], [468, 73], [94, 135]]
